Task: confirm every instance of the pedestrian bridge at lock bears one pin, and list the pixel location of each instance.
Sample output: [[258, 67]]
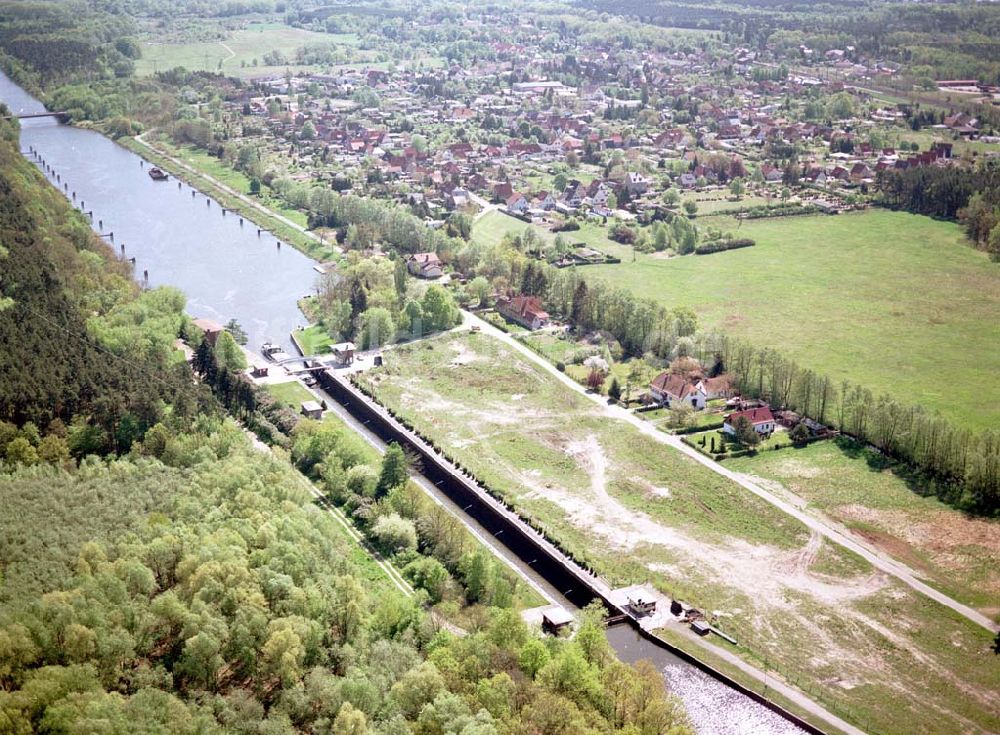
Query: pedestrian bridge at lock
[[61, 116]]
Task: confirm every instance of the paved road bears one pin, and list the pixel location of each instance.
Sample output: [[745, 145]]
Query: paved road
[[826, 528], [486, 207]]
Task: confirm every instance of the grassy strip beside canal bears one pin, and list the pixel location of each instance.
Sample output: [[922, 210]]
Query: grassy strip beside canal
[[268, 220]]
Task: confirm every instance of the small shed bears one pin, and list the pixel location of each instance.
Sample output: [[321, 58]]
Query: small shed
[[555, 619], [259, 371], [312, 410], [701, 627]]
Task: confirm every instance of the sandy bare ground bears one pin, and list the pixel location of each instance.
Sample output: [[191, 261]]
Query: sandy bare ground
[[758, 571]]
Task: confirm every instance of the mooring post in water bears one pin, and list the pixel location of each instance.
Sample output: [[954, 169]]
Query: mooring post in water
[[178, 185], [141, 163], [123, 248], [132, 260], [112, 235], [241, 221], [74, 196], [91, 215], [100, 224], [279, 244], [145, 276], [82, 204], [223, 212], [258, 232]]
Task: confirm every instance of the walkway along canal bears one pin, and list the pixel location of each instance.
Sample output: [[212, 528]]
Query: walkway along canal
[[182, 239]]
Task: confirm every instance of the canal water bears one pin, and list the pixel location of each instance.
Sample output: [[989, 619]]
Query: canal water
[[177, 235], [181, 238]]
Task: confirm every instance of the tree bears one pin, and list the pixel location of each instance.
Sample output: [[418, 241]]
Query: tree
[[615, 390], [691, 207], [479, 289], [20, 452], [745, 432], [234, 328], [559, 181], [428, 574], [595, 379], [993, 244], [393, 533], [440, 310], [228, 353], [394, 472], [533, 657], [799, 434], [376, 328], [737, 188], [349, 721], [681, 414], [308, 131]]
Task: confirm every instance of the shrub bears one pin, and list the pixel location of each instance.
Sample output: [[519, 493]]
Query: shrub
[[717, 246]]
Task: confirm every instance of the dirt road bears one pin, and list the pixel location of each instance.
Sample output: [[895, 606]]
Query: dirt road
[[823, 526]]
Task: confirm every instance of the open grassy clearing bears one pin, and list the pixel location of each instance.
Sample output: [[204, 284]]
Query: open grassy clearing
[[640, 511], [235, 55], [313, 340], [291, 393], [956, 553], [493, 226], [893, 301]]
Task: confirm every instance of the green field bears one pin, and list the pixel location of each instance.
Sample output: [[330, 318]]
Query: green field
[[956, 553], [493, 226], [637, 510], [893, 301], [235, 55], [291, 393]]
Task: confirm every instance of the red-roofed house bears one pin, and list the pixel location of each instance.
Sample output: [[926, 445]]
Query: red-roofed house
[[425, 265], [760, 418], [668, 387], [525, 310]]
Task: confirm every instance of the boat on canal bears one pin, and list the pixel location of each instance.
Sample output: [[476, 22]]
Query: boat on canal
[[158, 174]]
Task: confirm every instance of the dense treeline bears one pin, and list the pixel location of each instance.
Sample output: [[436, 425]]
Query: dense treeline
[[84, 357], [958, 465], [937, 192], [970, 194], [60, 41], [962, 467]]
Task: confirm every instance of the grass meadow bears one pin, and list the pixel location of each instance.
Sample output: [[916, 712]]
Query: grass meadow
[[896, 302], [822, 618], [235, 55]]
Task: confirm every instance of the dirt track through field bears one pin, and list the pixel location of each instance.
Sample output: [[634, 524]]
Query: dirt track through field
[[824, 527]]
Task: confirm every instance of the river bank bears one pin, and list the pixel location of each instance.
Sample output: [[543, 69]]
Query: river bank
[[241, 204]]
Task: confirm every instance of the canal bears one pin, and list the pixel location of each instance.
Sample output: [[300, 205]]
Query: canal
[[181, 238]]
